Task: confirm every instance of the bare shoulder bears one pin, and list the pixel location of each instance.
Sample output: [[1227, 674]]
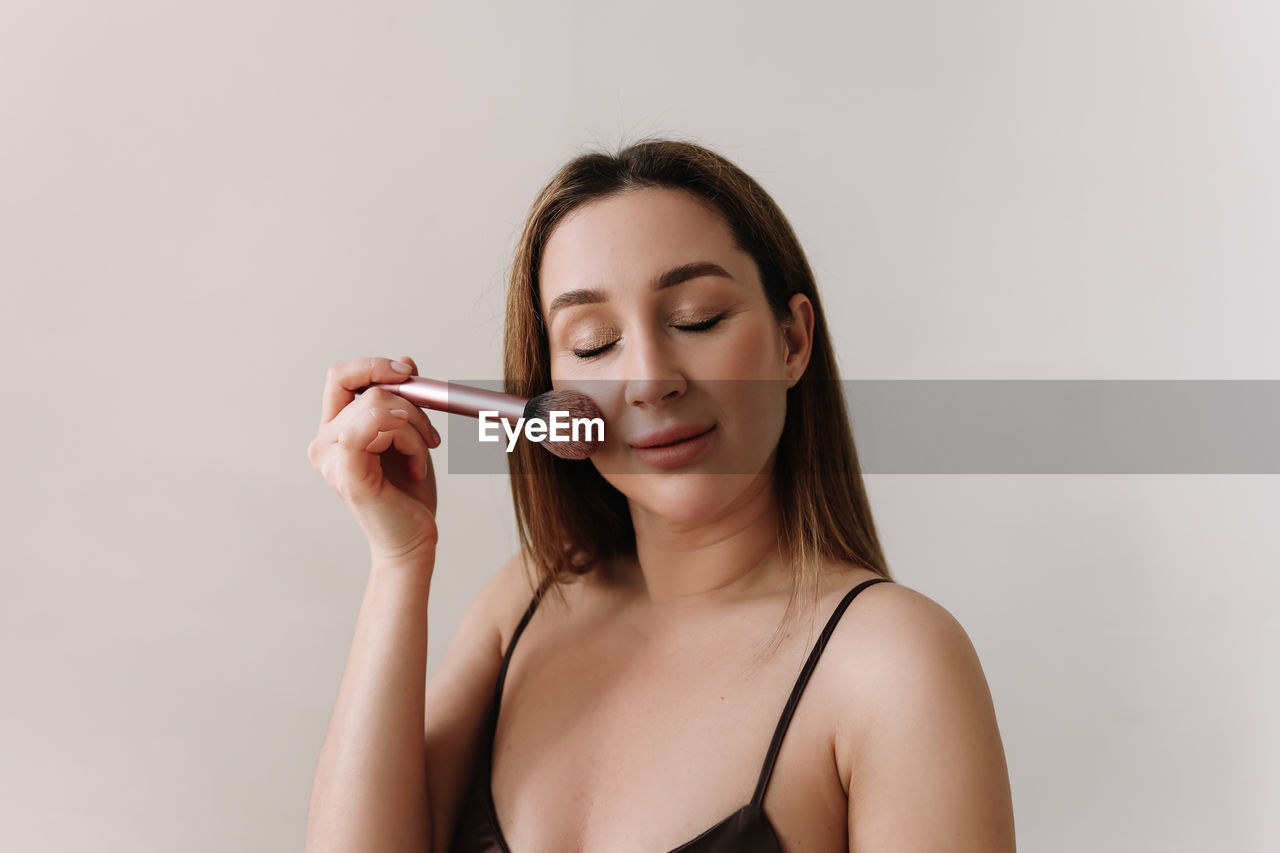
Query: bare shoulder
[[507, 596], [895, 648], [891, 625], [917, 744]]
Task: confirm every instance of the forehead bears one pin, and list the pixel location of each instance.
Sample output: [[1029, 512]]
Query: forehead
[[622, 241]]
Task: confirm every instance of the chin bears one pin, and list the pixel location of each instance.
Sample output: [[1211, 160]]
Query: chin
[[687, 499]]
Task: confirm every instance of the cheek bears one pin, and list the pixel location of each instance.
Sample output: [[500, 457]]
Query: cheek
[[765, 402], [755, 411], [608, 394], [750, 351]]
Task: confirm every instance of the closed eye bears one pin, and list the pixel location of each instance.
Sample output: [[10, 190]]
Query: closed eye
[[591, 353], [701, 326]]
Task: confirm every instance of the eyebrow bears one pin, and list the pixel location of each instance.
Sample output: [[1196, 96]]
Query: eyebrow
[[670, 278]]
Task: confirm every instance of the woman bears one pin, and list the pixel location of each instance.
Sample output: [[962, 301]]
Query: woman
[[654, 702]]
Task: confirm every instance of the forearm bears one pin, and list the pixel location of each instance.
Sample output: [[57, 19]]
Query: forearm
[[369, 792]]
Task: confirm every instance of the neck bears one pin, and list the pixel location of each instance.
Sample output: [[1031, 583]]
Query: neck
[[680, 563]]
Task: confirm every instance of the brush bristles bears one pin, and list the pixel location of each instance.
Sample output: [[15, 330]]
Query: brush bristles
[[578, 405]]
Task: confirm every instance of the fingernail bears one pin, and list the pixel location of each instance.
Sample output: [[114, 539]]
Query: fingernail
[[401, 367], [399, 413]]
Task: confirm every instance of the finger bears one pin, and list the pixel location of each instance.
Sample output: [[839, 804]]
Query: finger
[[409, 361], [417, 417], [406, 438], [415, 445], [408, 442], [384, 399], [345, 378], [380, 398], [360, 469]]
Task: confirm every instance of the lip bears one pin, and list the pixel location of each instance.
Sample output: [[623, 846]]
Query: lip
[[674, 446], [670, 435]]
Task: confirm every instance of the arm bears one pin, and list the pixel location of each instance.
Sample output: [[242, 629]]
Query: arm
[[923, 763], [397, 759], [460, 691], [369, 788]]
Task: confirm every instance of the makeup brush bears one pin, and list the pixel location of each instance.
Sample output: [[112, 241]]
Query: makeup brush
[[458, 399]]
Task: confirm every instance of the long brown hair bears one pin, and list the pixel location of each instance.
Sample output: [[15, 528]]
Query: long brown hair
[[570, 519]]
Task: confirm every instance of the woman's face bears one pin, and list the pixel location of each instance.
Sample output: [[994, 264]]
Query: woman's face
[[697, 352]]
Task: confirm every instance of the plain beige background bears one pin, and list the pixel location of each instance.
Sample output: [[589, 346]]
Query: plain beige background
[[203, 205]]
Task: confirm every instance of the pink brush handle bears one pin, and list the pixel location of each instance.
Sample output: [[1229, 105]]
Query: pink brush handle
[[455, 398]]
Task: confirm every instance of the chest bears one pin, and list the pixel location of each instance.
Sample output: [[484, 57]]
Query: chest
[[607, 740]]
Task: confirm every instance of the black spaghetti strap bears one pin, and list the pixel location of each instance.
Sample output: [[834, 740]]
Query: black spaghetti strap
[[506, 657], [484, 781], [757, 799]]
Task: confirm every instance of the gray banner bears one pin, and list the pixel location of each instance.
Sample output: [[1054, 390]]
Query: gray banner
[[1001, 426]]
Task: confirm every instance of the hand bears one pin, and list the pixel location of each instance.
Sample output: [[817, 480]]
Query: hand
[[373, 449]]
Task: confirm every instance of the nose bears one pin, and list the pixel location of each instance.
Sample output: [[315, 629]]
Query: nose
[[653, 376]]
